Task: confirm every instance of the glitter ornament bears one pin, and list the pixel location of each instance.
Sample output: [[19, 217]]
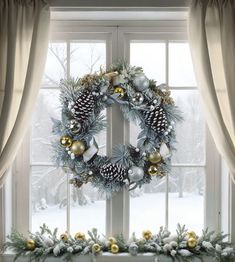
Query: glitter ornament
[[75, 126], [119, 90], [192, 242], [30, 244], [64, 237], [152, 170], [66, 141], [114, 248], [79, 236], [137, 99]]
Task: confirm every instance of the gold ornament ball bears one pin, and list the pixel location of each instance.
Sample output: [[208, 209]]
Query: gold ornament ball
[[114, 248], [79, 236], [66, 141], [147, 234], [77, 148], [30, 244], [96, 248], [192, 242], [155, 157], [64, 237], [112, 241], [152, 170], [119, 90], [191, 234]]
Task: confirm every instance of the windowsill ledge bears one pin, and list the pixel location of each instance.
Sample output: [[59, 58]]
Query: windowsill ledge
[[107, 257]]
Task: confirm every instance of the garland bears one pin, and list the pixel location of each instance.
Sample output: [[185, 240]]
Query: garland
[[184, 244], [141, 101]]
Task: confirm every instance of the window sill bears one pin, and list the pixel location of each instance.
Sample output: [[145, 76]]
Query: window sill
[[149, 257]]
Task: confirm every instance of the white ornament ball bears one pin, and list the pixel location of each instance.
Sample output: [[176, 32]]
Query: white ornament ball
[[141, 82], [135, 173]]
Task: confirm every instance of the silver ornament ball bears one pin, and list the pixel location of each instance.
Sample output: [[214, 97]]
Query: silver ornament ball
[[141, 82], [75, 126], [135, 173], [137, 99]]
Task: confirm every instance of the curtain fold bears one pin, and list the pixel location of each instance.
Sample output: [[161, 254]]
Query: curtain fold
[[24, 36], [212, 42]]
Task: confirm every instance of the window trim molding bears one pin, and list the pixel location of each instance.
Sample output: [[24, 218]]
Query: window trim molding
[[92, 4]]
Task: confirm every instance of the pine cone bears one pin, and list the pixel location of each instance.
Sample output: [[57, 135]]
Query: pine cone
[[156, 120], [83, 107], [113, 172]]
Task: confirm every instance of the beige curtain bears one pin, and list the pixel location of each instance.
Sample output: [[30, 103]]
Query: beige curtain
[[24, 31], [212, 43]]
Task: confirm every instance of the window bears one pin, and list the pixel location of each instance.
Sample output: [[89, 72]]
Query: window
[[163, 52]]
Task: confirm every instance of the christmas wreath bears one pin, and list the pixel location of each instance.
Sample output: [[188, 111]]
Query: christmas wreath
[[141, 100]]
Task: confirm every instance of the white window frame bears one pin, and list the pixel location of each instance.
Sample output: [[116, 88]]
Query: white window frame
[[117, 43]]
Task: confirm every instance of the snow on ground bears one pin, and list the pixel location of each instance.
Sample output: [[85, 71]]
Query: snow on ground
[[146, 212]]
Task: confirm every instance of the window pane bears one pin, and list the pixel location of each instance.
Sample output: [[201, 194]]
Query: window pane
[[49, 197], [142, 209], [51, 202], [134, 132], [186, 190], [87, 209], [180, 65], [87, 57], [47, 106], [150, 56], [147, 207], [190, 133], [56, 64]]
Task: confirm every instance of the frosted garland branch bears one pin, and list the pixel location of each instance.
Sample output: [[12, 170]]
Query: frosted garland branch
[[184, 244]]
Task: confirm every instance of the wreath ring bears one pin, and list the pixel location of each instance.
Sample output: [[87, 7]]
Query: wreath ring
[[141, 100]]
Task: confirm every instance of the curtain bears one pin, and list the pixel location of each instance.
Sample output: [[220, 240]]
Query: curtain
[[24, 34], [212, 42]]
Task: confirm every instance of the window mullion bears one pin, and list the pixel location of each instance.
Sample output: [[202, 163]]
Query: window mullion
[[167, 175], [68, 211]]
